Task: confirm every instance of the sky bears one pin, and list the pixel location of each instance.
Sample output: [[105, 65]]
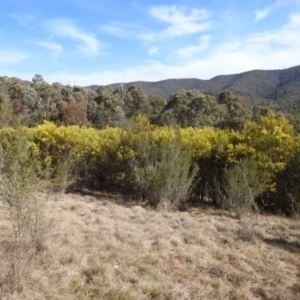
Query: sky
[[85, 42]]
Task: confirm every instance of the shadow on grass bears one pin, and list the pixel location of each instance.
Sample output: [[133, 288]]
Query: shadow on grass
[[224, 213], [96, 190], [293, 247], [105, 193]]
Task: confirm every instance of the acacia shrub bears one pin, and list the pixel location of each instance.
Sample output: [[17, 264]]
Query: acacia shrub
[[125, 158], [65, 151], [152, 162]]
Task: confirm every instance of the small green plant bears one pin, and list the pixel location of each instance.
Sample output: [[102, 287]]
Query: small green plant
[[244, 182], [64, 174], [18, 179]]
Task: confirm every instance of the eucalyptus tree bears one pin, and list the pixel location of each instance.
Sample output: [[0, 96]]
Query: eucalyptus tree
[[107, 108], [136, 102], [191, 108], [237, 111]]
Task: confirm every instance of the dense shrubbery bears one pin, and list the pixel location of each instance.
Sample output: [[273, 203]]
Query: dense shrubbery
[[100, 138], [158, 163]]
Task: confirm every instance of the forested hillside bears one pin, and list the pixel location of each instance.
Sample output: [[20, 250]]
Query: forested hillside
[[33, 102], [278, 89]]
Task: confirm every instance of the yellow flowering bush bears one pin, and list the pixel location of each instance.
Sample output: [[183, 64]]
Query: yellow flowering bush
[[119, 157]]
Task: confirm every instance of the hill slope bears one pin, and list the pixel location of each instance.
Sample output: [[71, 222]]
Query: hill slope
[[98, 249], [269, 87]]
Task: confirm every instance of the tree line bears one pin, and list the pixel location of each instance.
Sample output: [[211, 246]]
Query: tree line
[[32, 103], [190, 149]]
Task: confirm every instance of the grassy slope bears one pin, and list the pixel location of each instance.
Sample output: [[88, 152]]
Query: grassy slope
[[99, 249]]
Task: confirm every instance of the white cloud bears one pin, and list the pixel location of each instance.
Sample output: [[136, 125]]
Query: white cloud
[[261, 14], [181, 21], [11, 57], [88, 44], [153, 50], [117, 30], [55, 48], [24, 20], [266, 50], [121, 30], [189, 51], [176, 15], [285, 36]]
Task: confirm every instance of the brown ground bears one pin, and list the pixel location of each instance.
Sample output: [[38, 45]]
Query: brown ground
[[99, 249]]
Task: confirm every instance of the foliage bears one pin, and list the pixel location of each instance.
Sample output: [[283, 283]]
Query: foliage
[[74, 114], [136, 102], [286, 197], [162, 171], [83, 153], [6, 111], [191, 108], [34, 103], [107, 109], [271, 139], [237, 111], [19, 176], [244, 182]]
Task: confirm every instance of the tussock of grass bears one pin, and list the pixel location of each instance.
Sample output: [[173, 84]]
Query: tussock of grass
[[98, 249]]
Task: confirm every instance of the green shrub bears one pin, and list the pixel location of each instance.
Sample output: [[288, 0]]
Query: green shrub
[[19, 171], [162, 171], [244, 182]]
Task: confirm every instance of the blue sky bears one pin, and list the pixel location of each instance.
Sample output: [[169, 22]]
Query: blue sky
[[83, 42]]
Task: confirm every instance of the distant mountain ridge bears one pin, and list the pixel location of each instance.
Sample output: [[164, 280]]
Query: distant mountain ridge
[[257, 87]]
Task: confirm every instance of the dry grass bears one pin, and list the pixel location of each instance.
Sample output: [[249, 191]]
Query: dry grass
[[99, 249]]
